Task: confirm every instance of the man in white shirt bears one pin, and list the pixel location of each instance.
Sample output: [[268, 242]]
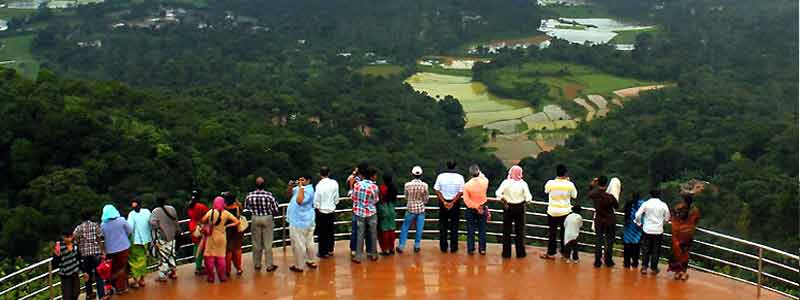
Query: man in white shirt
[[449, 187], [652, 216], [326, 197], [559, 193]]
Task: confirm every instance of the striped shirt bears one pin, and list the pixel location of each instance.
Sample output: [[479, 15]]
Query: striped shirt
[[416, 196], [88, 236], [365, 196], [559, 192], [68, 262], [632, 234]]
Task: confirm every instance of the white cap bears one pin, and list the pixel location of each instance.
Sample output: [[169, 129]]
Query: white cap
[[416, 170]]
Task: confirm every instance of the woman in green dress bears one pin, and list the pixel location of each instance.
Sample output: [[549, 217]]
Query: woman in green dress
[[387, 215]]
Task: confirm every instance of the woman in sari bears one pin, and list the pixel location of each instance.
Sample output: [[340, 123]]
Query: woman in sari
[[214, 253], [116, 231], [139, 219], [684, 223], [387, 215], [196, 211]]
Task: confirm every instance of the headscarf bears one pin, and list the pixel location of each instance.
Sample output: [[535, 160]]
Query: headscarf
[[515, 173], [614, 188], [219, 203], [109, 213]]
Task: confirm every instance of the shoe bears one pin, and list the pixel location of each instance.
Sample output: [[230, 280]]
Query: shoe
[[575, 261], [257, 268], [522, 256], [471, 252], [644, 271], [610, 264], [417, 250], [141, 282], [159, 279], [173, 275], [546, 256], [453, 250], [384, 254], [134, 285], [295, 269], [356, 261], [654, 271], [272, 268], [597, 264], [399, 250], [373, 258], [312, 265], [239, 272], [626, 265], [482, 252]]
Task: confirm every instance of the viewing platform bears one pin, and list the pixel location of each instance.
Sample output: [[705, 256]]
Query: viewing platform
[[722, 267], [431, 274]]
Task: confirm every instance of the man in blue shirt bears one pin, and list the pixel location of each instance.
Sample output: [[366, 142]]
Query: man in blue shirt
[[300, 216]]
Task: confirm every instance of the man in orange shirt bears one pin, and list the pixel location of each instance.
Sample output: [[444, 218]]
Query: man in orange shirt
[[477, 212]]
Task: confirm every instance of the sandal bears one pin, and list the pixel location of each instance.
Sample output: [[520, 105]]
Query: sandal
[[312, 265], [141, 282], [272, 268], [239, 272], [546, 256], [296, 269]]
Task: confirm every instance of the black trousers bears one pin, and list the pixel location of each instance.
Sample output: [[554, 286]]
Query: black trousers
[[651, 250], [70, 287], [604, 244], [514, 216], [448, 227], [324, 230], [631, 254], [571, 249], [556, 227]]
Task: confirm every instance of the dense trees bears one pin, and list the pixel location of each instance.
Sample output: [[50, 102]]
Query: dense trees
[[70, 144]]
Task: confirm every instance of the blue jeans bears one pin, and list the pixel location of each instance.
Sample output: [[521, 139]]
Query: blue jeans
[[354, 237], [407, 223], [476, 222]]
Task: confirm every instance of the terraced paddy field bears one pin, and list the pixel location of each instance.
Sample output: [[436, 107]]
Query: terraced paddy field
[[480, 106]]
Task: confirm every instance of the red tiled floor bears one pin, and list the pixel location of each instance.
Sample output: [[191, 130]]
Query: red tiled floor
[[433, 275]]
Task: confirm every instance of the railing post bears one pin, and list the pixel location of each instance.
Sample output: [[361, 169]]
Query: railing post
[[50, 280], [760, 269], [283, 230]]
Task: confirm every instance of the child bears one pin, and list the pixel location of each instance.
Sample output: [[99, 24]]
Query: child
[[632, 233], [67, 259], [572, 227]]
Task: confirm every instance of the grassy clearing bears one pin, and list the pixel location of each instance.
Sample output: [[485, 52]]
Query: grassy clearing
[[381, 70], [566, 81], [629, 36], [8, 13], [15, 52]]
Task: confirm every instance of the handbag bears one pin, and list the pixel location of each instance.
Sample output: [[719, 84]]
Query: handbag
[[207, 227], [243, 223]]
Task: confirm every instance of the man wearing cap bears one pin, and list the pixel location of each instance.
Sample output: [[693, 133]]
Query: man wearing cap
[[449, 187], [416, 192]]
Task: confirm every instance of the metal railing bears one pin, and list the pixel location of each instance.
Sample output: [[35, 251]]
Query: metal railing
[[716, 253]]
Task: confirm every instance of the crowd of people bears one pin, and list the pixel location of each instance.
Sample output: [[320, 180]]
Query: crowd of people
[[218, 232]]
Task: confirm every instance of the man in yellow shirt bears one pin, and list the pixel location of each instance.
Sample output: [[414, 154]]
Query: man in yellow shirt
[[559, 193]]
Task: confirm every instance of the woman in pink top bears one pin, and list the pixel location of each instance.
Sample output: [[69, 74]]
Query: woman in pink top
[[475, 199]]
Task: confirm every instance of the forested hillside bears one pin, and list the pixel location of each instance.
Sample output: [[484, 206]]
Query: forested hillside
[[730, 118]]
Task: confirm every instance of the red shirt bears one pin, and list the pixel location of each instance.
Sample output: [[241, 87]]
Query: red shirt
[[195, 215]]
